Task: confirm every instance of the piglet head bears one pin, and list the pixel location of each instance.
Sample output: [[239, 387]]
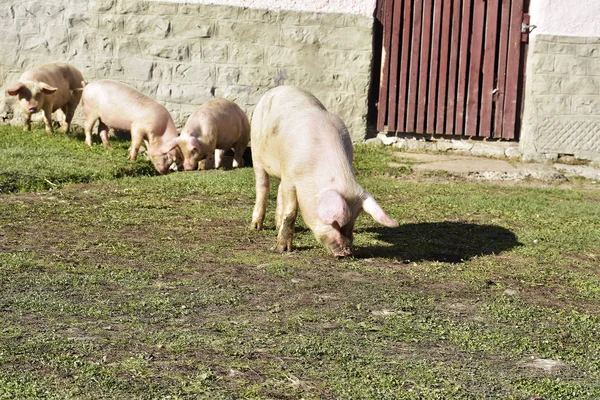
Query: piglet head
[[31, 95], [189, 149], [336, 223]]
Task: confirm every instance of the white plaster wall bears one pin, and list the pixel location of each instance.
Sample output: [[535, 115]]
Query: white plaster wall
[[359, 7], [566, 17]]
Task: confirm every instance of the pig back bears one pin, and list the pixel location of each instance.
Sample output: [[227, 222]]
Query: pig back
[[219, 121], [120, 106], [294, 134]]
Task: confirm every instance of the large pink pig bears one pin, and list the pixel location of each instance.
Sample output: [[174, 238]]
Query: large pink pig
[[295, 139], [218, 125], [49, 88], [116, 105]]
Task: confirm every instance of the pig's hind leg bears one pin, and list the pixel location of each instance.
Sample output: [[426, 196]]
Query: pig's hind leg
[[238, 154], [103, 133], [90, 120], [285, 215], [262, 195]]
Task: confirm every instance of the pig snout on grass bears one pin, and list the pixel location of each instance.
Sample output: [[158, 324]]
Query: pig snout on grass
[[49, 88], [217, 126], [296, 140], [118, 106]]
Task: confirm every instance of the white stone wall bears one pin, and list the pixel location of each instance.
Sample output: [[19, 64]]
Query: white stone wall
[[562, 97], [182, 54], [361, 7]]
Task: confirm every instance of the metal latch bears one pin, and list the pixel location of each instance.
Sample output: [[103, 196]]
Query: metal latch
[[527, 28]]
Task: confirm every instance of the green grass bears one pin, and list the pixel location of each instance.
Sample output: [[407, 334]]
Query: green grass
[[119, 283]]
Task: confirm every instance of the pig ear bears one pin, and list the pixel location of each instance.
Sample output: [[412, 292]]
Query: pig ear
[[193, 144], [170, 145], [333, 208], [372, 208], [47, 88], [15, 89]]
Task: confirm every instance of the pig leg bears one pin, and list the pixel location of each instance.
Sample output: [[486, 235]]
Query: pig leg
[[209, 161], [279, 208], [87, 126], [103, 132], [262, 195], [238, 154], [219, 157], [48, 117], [288, 211], [137, 139], [69, 111], [27, 126]]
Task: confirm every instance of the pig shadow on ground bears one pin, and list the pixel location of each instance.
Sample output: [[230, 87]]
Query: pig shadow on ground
[[451, 242]]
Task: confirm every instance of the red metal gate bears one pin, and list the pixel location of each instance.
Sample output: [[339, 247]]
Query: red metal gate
[[452, 67]]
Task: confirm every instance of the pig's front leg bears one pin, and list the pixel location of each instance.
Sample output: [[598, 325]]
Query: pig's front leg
[[287, 210], [262, 195], [48, 118], [137, 138], [27, 126], [219, 153]]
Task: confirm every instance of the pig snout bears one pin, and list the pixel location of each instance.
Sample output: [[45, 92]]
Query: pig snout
[[32, 109]]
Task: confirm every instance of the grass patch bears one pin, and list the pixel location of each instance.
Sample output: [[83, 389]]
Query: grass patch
[[119, 283]]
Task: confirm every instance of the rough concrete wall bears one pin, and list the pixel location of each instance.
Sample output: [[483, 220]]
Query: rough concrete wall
[[562, 102], [184, 54]]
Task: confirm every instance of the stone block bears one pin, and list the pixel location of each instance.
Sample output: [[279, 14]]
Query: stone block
[[259, 15], [586, 105], [562, 48], [201, 74], [154, 26], [136, 7], [215, 51], [487, 150], [354, 60], [569, 65], [136, 68], [127, 46], [593, 66], [192, 27], [279, 56], [546, 84], [572, 39], [348, 38], [175, 50], [162, 8], [246, 54], [552, 104], [247, 32], [163, 71], [103, 5], [589, 51], [111, 24], [581, 85], [183, 93]]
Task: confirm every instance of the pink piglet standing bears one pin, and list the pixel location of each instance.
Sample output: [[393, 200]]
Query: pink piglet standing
[[116, 105], [48, 88], [296, 140]]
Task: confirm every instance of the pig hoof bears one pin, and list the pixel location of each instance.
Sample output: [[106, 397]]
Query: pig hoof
[[256, 225], [282, 247]]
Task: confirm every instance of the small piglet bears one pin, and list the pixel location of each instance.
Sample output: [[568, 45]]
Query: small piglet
[[296, 140], [217, 126], [49, 88], [119, 106]]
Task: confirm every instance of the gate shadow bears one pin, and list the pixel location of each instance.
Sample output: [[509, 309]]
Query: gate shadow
[[451, 242]]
